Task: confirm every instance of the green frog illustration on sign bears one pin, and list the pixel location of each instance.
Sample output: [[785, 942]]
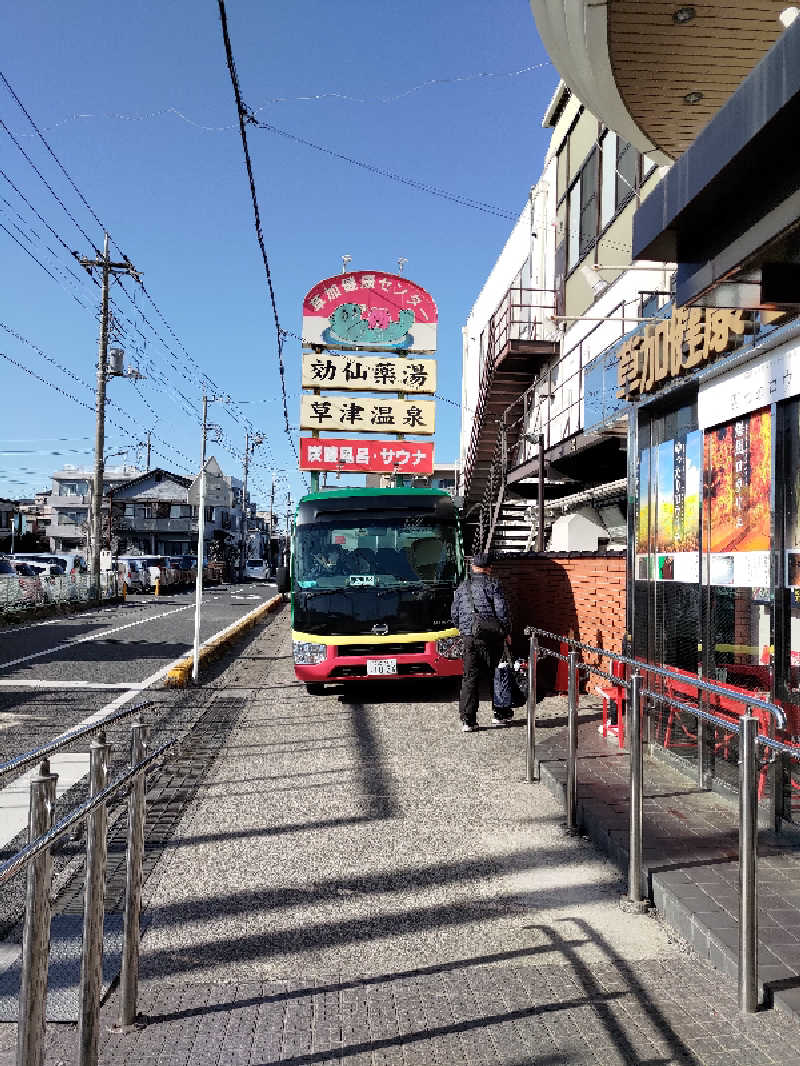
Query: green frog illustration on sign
[[350, 324]]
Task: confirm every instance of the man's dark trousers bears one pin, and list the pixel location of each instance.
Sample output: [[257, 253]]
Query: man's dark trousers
[[480, 659]]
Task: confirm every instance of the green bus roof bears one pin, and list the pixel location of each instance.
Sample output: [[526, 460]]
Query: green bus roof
[[343, 493]]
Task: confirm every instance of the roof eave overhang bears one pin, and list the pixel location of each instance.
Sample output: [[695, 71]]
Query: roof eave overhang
[[705, 214], [575, 35]]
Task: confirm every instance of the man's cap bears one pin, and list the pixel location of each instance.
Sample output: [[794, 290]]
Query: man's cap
[[481, 559]]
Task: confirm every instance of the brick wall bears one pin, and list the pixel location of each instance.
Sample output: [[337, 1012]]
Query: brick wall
[[582, 594]]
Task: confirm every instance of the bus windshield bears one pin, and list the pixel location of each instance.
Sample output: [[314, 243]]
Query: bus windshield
[[392, 551]]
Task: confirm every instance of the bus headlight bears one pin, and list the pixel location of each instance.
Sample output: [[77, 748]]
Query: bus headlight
[[307, 654], [450, 647]]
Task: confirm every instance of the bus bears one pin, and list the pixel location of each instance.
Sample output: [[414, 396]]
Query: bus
[[372, 577]]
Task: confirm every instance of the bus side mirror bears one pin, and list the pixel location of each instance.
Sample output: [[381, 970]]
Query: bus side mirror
[[282, 578]]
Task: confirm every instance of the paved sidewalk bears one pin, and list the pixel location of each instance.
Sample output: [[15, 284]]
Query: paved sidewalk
[[363, 883], [690, 861]]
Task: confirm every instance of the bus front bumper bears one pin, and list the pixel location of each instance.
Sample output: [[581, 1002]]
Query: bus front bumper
[[364, 661]]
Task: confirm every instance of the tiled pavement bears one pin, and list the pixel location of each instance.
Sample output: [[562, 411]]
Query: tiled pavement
[[362, 883], [690, 857]]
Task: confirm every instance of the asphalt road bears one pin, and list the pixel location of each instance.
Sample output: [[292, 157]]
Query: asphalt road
[[55, 673]]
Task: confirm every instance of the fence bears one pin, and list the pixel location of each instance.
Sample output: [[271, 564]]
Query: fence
[[641, 691], [19, 594], [36, 858]]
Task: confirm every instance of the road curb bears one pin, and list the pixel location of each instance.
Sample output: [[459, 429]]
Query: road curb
[[180, 674]]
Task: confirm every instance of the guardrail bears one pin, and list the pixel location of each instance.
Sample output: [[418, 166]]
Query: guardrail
[[638, 696], [36, 857], [21, 593]]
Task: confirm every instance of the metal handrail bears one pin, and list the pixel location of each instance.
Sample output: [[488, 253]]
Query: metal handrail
[[11, 867], [30, 758], [36, 858], [661, 671], [749, 739]]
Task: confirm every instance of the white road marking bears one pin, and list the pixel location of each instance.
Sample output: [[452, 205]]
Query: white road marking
[[10, 683], [148, 682], [15, 798], [90, 637], [60, 619]]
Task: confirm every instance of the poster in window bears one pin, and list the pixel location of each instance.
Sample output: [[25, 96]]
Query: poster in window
[[665, 506], [678, 487], [643, 524], [738, 458]]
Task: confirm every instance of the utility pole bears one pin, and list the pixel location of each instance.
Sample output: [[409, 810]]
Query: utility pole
[[108, 268], [201, 532], [288, 526], [148, 451], [271, 509], [250, 445]]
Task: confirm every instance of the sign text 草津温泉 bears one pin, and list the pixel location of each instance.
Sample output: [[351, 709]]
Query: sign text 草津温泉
[[367, 415], [366, 456], [686, 340], [368, 373]]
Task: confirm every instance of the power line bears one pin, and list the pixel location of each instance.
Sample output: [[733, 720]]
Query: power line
[[421, 186], [58, 162], [47, 184], [111, 403], [89, 240], [245, 117], [190, 362], [307, 98]]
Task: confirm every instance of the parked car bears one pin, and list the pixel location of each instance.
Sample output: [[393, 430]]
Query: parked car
[[133, 577], [29, 587], [71, 562], [184, 567], [256, 570], [10, 588], [159, 571], [52, 578]]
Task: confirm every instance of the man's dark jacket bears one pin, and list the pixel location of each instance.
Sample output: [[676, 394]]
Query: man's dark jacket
[[489, 600]]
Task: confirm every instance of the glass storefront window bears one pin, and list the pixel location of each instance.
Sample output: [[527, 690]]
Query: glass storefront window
[[791, 545]]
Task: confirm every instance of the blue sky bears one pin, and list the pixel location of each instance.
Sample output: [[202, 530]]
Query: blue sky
[[136, 102]]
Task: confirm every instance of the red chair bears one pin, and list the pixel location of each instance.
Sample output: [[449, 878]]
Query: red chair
[[614, 694], [686, 692], [733, 710]]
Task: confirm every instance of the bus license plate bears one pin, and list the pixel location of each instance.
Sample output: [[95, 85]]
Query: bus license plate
[[381, 666]]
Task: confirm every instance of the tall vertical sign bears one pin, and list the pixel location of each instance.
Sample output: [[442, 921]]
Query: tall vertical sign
[[364, 333]]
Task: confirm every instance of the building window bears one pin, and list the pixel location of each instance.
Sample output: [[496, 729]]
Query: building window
[[583, 212], [588, 201], [608, 184], [573, 226], [209, 514], [627, 169]]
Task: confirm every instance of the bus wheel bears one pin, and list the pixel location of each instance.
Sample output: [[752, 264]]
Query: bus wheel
[[314, 688]]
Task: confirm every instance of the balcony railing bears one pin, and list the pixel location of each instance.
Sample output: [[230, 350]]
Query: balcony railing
[[158, 525]]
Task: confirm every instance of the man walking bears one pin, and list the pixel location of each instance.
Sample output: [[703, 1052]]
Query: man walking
[[481, 614]]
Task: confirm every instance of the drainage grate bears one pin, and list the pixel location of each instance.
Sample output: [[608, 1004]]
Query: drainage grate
[[64, 973]]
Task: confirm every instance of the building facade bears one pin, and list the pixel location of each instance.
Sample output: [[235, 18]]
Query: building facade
[[702, 379]]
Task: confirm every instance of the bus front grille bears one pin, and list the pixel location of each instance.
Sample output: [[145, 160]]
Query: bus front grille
[[374, 651]]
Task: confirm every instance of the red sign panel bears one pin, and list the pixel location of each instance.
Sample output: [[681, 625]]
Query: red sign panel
[[366, 309], [366, 456]]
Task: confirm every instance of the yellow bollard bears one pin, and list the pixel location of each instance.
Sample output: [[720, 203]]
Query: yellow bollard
[[124, 591], [158, 582]]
